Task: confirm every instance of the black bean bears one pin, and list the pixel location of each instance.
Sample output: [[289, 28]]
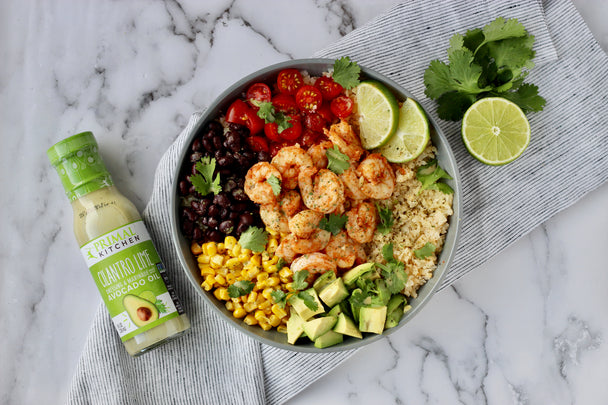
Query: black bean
[[197, 234], [225, 171], [239, 195], [241, 160], [205, 221], [223, 161], [263, 156], [196, 156], [212, 222], [222, 200], [197, 145], [193, 169], [226, 226], [241, 228], [213, 211], [234, 215], [215, 127], [189, 214], [214, 236], [217, 142], [246, 219], [183, 187], [208, 145], [240, 207], [218, 154], [229, 185], [224, 213], [187, 227]]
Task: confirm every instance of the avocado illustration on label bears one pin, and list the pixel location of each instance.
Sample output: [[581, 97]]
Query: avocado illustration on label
[[141, 311], [148, 296]]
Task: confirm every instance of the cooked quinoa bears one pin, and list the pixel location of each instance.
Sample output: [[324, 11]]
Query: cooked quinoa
[[418, 219]]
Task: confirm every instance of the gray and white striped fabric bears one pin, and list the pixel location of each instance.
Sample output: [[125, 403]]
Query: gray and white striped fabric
[[567, 158]]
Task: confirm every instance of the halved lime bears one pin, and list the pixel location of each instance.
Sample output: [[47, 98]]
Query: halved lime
[[411, 137], [495, 131], [378, 113]]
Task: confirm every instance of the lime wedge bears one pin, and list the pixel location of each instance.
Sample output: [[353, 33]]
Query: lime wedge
[[411, 137], [378, 113], [495, 131]]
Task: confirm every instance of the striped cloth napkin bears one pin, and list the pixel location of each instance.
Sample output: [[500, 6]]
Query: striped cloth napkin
[[567, 157]]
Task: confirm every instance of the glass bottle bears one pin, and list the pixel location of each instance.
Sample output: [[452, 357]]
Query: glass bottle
[[117, 249]]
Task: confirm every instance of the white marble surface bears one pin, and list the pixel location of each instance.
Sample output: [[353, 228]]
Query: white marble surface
[[529, 327]]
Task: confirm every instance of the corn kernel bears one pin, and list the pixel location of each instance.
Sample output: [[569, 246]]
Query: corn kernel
[[252, 296], [272, 281], [233, 264], [230, 242], [216, 261], [221, 280], [262, 276], [252, 272], [206, 286], [246, 251], [216, 292], [250, 306], [285, 272], [260, 315], [239, 313], [265, 325], [272, 246], [266, 304], [256, 260], [244, 257], [235, 251], [274, 320], [206, 270], [271, 231], [278, 311], [289, 287], [210, 248], [196, 249], [221, 248], [210, 279], [282, 329], [204, 259], [267, 293], [229, 306], [250, 319], [230, 278]]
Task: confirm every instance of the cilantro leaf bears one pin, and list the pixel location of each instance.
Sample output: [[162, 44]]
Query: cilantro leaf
[[337, 161], [240, 288], [275, 183], [464, 74], [425, 251], [346, 73], [526, 97], [334, 223], [502, 29], [387, 252], [254, 239], [203, 181], [453, 105], [386, 220], [281, 263], [269, 114], [279, 297], [299, 280], [429, 174], [162, 308], [393, 271], [309, 300]]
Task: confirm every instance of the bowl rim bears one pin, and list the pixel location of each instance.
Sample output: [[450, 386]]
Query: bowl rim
[[444, 260]]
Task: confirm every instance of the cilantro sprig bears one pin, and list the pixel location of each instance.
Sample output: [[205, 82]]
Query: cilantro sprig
[[254, 239], [489, 62], [275, 184], [393, 271], [240, 288], [333, 223], [346, 72], [269, 114], [337, 161], [204, 182], [429, 176], [386, 219], [298, 284], [427, 250]]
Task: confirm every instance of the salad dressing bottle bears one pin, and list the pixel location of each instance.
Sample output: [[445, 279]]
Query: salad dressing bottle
[[117, 249]]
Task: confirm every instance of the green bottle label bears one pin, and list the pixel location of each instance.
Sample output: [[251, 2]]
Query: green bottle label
[[131, 279]]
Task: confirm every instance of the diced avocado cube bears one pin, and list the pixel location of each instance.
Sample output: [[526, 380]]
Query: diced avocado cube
[[318, 326], [394, 311], [329, 338], [294, 327], [323, 280], [351, 276], [346, 326], [335, 311], [333, 293], [302, 309], [372, 319]]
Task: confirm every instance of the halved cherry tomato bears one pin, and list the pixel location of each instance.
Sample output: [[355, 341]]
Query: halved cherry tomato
[[309, 138], [258, 92], [285, 103], [271, 129], [309, 98], [314, 121], [274, 148], [341, 106], [329, 88], [294, 131], [325, 112], [240, 113], [289, 81], [258, 143]]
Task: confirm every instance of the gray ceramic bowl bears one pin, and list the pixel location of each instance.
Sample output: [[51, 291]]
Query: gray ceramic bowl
[[272, 337]]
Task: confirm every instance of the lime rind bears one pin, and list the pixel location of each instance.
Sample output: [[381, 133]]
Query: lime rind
[[411, 137], [378, 114], [495, 149]]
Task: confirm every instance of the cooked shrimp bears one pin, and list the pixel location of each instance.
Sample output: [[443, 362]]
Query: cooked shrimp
[[361, 256], [351, 182], [304, 223], [377, 178], [290, 160], [274, 218], [321, 191], [362, 222], [317, 153], [291, 202], [342, 250], [343, 136], [318, 239], [315, 263], [285, 248], [257, 187]]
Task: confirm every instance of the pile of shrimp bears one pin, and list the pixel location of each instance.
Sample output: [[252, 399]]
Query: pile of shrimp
[[309, 191]]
